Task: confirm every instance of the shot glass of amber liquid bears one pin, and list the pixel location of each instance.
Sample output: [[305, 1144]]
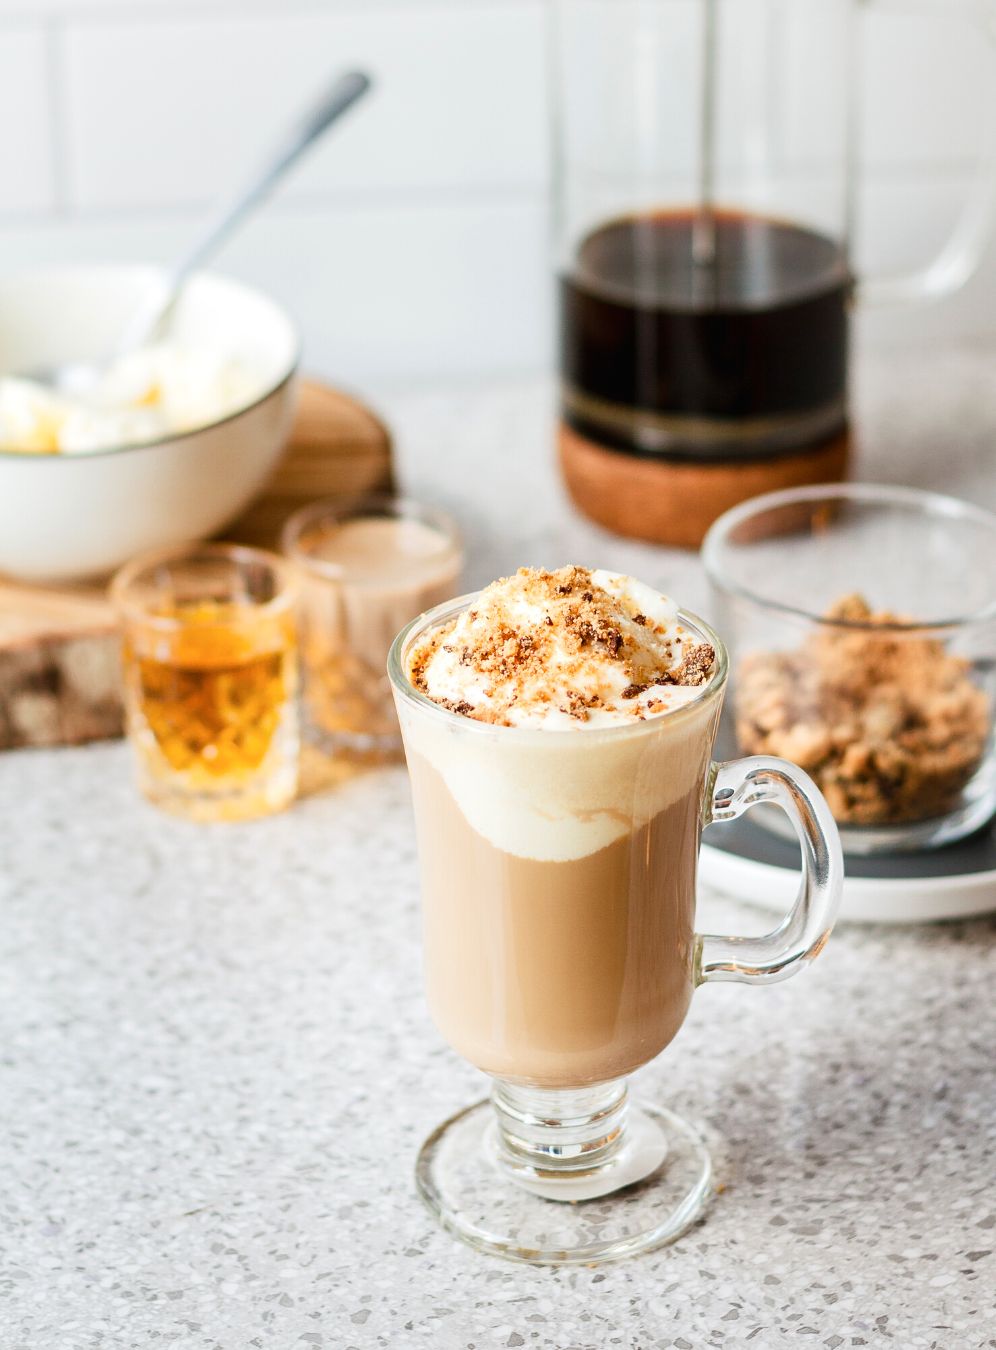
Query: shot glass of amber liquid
[[210, 672]]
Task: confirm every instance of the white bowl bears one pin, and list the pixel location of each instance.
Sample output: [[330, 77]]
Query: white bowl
[[70, 516]]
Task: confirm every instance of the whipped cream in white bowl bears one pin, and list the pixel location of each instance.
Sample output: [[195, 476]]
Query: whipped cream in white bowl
[[173, 446]]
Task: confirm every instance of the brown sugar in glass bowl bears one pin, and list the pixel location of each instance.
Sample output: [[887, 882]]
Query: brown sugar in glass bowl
[[862, 626]]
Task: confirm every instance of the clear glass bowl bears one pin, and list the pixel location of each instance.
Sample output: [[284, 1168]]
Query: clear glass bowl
[[861, 622]]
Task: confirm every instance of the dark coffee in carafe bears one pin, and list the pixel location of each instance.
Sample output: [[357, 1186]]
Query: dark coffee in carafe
[[742, 354]]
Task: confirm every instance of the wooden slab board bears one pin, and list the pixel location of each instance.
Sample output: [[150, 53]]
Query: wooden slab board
[[59, 660]]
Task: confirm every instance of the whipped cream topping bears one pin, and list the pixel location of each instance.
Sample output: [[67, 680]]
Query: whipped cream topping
[[565, 649], [145, 395]]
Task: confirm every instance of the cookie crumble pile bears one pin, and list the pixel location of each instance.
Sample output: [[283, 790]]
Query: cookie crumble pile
[[550, 646], [890, 725]]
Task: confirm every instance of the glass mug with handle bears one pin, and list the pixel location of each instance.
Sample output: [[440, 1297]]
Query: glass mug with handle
[[558, 874]]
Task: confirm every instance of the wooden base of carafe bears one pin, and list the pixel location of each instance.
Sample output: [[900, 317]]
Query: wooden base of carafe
[[674, 502]]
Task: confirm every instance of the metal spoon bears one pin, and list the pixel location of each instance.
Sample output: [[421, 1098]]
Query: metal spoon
[[151, 319]]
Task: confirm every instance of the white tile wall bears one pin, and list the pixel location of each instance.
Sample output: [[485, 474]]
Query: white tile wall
[[457, 95], [929, 83], [400, 292], [27, 178], [415, 240]]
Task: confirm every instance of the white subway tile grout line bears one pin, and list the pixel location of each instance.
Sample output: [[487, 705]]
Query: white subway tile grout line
[[55, 93], [152, 11], [426, 198], [373, 199]]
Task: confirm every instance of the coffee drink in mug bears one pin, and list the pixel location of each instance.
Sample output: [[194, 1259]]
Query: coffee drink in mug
[[559, 729]]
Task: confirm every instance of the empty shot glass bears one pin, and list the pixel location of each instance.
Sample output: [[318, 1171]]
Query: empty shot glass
[[367, 567], [210, 673]]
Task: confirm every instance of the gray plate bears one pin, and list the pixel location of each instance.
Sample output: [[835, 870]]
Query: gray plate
[[743, 839]]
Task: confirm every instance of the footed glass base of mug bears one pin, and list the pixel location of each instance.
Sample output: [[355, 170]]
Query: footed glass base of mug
[[498, 1174]]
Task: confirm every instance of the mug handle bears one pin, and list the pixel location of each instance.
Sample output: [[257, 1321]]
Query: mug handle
[[961, 254], [733, 788]]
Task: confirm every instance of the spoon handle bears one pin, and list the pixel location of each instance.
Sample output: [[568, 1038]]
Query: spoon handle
[[333, 103]]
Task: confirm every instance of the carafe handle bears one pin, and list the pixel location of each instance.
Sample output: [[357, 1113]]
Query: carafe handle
[[961, 253], [734, 788]]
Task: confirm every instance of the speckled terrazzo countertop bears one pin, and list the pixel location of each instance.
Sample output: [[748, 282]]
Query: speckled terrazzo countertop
[[216, 1066]]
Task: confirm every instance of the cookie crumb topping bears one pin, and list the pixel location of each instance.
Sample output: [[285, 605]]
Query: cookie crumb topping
[[568, 646]]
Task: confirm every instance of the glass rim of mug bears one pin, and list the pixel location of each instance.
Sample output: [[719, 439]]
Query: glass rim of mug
[[433, 618], [341, 508], [125, 578], [938, 505]]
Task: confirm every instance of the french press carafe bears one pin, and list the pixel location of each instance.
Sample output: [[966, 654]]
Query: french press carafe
[[703, 200]]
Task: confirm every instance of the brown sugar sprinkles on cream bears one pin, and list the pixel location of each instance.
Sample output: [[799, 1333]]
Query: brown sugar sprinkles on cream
[[570, 648]]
